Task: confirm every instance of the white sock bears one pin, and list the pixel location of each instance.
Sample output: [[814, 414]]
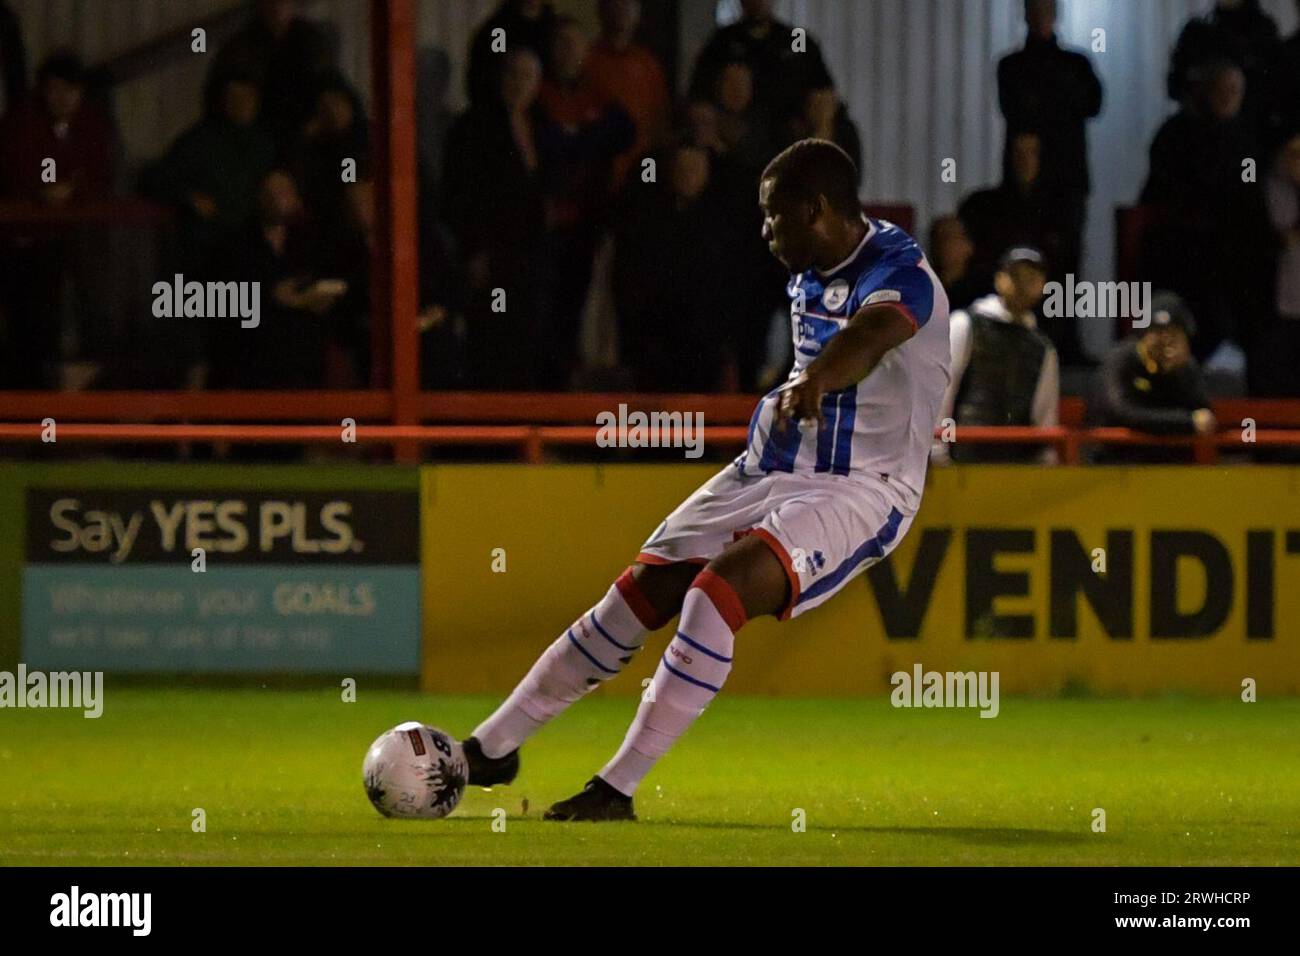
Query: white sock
[[691, 673], [594, 649]]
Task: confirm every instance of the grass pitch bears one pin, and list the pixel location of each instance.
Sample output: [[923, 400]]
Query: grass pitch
[[278, 773]]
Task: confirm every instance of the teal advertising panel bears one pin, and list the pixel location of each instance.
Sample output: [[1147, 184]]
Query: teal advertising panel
[[140, 580]]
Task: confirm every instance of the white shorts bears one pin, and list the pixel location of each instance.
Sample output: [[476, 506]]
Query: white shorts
[[826, 529]]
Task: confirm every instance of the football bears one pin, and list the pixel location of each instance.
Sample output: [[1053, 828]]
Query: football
[[415, 771]]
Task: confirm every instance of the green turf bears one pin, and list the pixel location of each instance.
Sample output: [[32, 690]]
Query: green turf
[[278, 774]]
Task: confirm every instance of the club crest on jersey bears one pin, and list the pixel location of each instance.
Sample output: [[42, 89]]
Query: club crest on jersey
[[835, 295]]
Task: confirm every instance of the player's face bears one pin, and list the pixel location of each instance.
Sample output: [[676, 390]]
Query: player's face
[[786, 228]]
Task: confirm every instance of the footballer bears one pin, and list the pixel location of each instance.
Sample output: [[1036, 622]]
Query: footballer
[[827, 485]]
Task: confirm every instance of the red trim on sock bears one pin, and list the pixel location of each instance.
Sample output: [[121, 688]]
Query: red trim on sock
[[635, 598], [724, 598], [783, 556]]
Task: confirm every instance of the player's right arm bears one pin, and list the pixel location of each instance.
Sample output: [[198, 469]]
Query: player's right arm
[[848, 358]]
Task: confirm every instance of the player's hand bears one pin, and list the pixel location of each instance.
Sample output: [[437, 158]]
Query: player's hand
[[1203, 421], [801, 400]]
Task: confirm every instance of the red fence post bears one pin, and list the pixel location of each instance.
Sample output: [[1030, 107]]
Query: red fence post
[[395, 351]]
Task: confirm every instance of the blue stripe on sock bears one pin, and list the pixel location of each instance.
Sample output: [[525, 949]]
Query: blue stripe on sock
[[688, 678], [605, 634], [704, 650], [583, 651]]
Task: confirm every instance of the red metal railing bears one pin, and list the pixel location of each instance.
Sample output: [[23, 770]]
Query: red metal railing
[[532, 440]]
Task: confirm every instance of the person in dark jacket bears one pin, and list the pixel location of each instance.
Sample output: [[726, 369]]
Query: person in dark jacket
[[286, 55], [525, 25], [783, 76], [336, 131], [1238, 31], [13, 60], [669, 320], [213, 170], [1053, 92], [1150, 382], [1210, 239], [494, 206]]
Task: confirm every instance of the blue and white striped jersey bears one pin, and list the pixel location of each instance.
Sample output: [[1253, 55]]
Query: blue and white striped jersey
[[883, 425]]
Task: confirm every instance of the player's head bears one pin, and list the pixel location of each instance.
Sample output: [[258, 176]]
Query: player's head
[[1020, 279], [760, 10], [808, 194]]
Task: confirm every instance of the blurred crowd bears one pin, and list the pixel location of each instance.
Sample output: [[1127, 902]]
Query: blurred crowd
[[584, 225]]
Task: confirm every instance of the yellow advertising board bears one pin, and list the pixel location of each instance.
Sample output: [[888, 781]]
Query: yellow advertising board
[[1102, 580]]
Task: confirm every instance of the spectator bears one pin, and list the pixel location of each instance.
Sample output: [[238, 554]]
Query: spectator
[[736, 135], [629, 74], [524, 25], [213, 170], [275, 249], [824, 116], [782, 75], [1279, 355], [1235, 30], [1150, 382], [1209, 240], [951, 252], [13, 60], [342, 259], [495, 208], [433, 121], [285, 55], [744, 131], [337, 131], [669, 254], [1024, 211], [582, 133], [1004, 371], [58, 125], [1053, 92], [1285, 83]]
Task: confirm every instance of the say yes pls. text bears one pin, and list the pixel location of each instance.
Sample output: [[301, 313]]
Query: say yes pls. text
[[217, 526]]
